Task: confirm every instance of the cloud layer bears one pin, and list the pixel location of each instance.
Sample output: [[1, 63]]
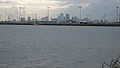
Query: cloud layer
[[96, 8]]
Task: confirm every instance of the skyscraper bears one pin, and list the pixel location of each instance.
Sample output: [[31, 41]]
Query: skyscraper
[[117, 18], [29, 18], [61, 18], [67, 17]]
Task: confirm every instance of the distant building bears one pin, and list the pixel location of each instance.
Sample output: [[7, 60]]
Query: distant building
[[61, 18], [33, 19], [54, 19], [86, 19], [96, 21], [67, 17], [101, 21], [14, 20], [73, 18], [29, 19], [76, 19], [22, 19], [44, 18], [106, 21]]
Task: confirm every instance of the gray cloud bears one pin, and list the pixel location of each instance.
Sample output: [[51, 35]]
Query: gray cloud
[[96, 8], [8, 2]]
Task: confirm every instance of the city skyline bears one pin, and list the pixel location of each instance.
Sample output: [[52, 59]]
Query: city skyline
[[96, 8]]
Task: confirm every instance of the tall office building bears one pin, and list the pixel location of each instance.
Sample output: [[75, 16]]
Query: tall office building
[[22, 19], [61, 18], [29, 18], [67, 17]]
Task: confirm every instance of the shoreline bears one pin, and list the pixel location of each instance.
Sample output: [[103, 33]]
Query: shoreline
[[63, 24]]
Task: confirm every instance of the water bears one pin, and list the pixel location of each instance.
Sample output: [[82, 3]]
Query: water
[[57, 46]]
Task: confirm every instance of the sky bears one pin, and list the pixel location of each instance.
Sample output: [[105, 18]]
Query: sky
[[95, 8]]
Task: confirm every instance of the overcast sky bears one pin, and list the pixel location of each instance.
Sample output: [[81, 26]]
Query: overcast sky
[[96, 8]]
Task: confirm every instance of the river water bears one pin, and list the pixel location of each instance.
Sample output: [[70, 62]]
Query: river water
[[28, 46]]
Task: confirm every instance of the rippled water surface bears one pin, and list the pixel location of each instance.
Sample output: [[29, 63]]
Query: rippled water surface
[[57, 46]]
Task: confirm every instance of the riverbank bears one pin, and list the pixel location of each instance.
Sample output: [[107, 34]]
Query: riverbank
[[65, 24]]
